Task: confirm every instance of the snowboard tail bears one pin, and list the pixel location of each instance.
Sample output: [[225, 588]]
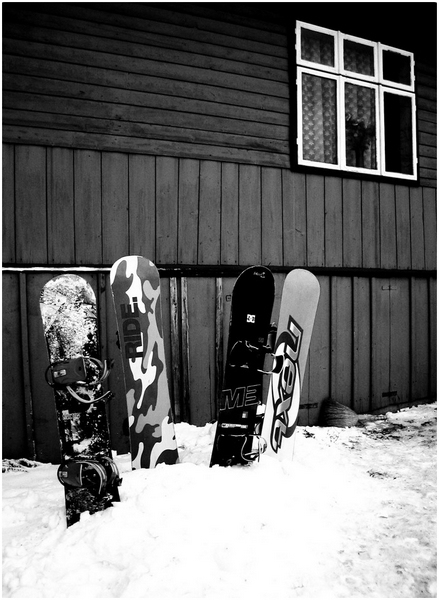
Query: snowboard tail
[[135, 285], [76, 374]]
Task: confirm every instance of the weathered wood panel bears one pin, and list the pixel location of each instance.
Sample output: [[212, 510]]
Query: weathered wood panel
[[182, 80], [115, 233], [419, 341], [31, 204], [14, 429], [60, 206], [315, 215], [209, 229], [373, 347], [152, 82], [370, 225], [341, 340], [8, 203], [361, 345], [334, 222], [88, 207], [188, 211], [294, 218], [250, 233], [229, 214], [352, 243], [82, 207], [142, 205]]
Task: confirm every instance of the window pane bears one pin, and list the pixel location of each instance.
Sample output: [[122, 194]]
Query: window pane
[[319, 119], [358, 58], [397, 67], [398, 134], [360, 115], [317, 47]]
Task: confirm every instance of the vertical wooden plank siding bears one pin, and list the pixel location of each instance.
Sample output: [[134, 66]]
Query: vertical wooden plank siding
[[188, 211], [403, 243], [361, 350], [352, 242], [8, 203], [387, 226], [201, 295], [433, 336], [25, 339], [399, 296], [430, 228], [185, 354], [333, 222], [380, 304], [420, 334], [14, 436], [88, 207], [209, 233], [142, 205], [294, 218], [60, 206], [417, 229], [370, 224], [229, 213], [249, 237], [315, 214], [166, 210], [341, 340], [114, 206], [30, 204], [272, 234]]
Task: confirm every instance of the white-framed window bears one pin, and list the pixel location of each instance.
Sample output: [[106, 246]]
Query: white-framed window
[[356, 104]]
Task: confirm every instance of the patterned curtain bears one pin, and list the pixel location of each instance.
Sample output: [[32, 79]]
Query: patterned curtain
[[360, 126], [317, 47], [319, 119], [358, 58]]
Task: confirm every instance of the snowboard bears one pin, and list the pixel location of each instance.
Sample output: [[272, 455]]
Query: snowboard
[[135, 285], [237, 439], [300, 297], [76, 373]]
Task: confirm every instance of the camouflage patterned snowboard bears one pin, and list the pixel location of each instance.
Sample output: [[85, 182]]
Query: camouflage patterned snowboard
[[135, 285], [300, 297], [87, 471]]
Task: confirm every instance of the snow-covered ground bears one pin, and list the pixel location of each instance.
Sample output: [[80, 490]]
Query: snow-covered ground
[[353, 515]]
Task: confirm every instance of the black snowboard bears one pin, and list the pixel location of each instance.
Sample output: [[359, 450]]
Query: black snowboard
[[87, 471], [237, 435]]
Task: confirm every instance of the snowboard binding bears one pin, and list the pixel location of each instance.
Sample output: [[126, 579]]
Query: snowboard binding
[[234, 448], [83, 372], [245, 355], [96, 476]]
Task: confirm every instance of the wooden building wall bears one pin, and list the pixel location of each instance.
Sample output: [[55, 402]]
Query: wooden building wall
[[181, 79], [164, 130]]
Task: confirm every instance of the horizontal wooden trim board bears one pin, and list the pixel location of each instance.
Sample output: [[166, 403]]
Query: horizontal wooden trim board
[[226, 270]]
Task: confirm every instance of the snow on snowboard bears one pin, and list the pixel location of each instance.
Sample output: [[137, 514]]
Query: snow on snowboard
[[87, 471], [246, 427], [135, 285]]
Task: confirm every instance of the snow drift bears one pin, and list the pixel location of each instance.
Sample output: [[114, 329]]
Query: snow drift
[[354, 515]]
